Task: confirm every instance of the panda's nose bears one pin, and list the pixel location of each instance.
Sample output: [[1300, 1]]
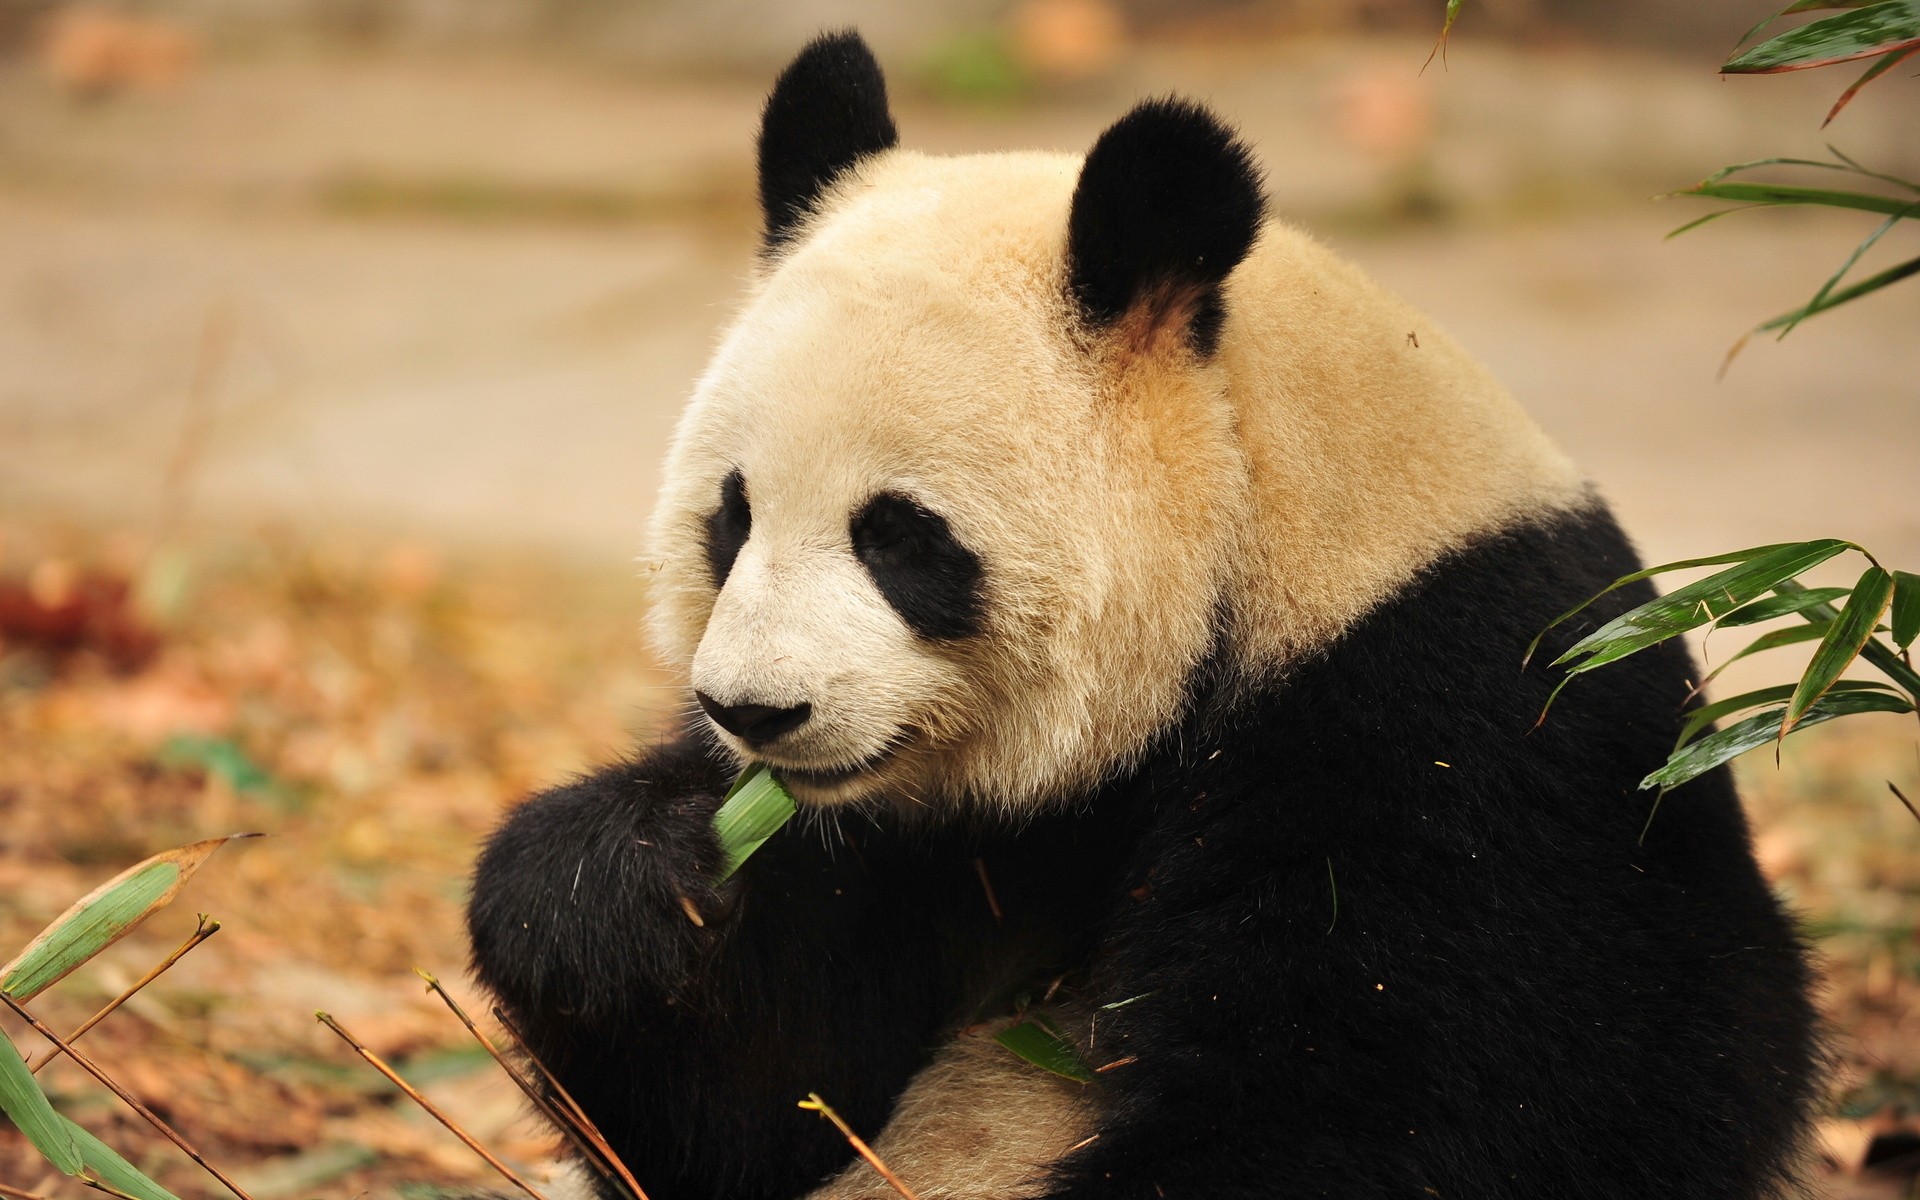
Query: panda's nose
[[756, 724]]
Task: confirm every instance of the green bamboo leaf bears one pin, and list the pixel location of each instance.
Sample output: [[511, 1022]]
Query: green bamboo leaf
[[103, 1164], [1906, 608], [1779, 606], [1742, 192], [756, 808], [1891, 275], [1699, 718], [104, 916], [1702, 756], [1046, 1050], [27, 1107], [1842, 644], [1857, 33], [1820, 298], [1801, 7], [1695, 604], [1773, 640], [1648, 573]]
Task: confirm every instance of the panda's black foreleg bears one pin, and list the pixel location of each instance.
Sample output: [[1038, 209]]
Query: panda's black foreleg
[[689, 1018]]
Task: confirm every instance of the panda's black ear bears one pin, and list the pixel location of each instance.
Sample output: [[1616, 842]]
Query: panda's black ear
[[827, 111], [1168, 203]]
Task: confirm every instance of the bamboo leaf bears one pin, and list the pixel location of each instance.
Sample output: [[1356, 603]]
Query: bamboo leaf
[[1891, 275], [1743, 192], [1779, 606], [108, 1167], [1819, 300], [1842, 643], [104, 916], [1857, 33], [1045, 1050], [1801, 7], [27, 1107], [1702, 756], [1699, 718], [1906, 608], [1648, 573], [756, 808], [1773, 640], [1695, 604]]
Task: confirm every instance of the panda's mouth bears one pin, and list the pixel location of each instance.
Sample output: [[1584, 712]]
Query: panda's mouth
[[832, 777]]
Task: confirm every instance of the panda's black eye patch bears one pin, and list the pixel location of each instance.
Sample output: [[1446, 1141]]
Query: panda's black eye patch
[[924, 572], [727, 527]]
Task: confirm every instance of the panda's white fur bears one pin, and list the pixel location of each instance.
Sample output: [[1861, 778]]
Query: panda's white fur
[[918, 338]]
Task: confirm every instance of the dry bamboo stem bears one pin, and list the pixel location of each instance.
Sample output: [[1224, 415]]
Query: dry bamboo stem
[[379, 1064], [208, 927], [569, 1119], [86, 1064], [14, 1193], [814, 1103]]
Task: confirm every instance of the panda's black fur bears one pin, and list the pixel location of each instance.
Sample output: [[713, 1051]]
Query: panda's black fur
[[1365, 930]]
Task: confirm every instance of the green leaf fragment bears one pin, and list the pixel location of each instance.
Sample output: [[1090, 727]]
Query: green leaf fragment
[[1702, 756], [1842, 643], [1697, 603], [31, 1113], [1699, 718], [1779, 606], [1906, 608], [1767, 194], [1648, 573], [755, 809], [1886, 278], [1046, 1050], [108, 1167], [1857, 33], [82, 934]]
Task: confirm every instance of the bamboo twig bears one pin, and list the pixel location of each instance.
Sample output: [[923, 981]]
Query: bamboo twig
[[552, 1081], [813, 1103], [208, 927], [90, 1067], [14, 1193], [584, 1134], [379, 1064], [101, 1185]]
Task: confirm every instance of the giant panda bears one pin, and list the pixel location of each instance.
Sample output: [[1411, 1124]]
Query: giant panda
[[1134, 597]]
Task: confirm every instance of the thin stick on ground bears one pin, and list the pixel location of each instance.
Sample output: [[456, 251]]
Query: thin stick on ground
[[813, 1103], [90, 1067], [584, 1134], [208, 927], [379, 1064], [14, 1193]]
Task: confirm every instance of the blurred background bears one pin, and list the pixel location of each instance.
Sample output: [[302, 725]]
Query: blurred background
[[339, 344]]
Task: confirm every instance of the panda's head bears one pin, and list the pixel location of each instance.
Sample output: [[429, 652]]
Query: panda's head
[[949, 514]]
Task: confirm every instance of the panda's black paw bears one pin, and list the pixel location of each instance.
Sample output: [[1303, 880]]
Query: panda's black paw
[[598, 896]]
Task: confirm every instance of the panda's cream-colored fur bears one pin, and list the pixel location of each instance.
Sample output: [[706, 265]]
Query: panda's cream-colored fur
[[1126, 495]]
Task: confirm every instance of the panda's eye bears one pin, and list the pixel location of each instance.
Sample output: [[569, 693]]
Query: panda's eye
[[727, 527], [924, 572]]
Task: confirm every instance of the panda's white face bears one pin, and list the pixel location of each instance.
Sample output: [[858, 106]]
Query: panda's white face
[[920, 537]]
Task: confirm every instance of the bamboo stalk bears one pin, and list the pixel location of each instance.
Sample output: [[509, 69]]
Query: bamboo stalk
[[813, 1103], [90, 1067], [208, 927], [569, 1119], [379, 1064]]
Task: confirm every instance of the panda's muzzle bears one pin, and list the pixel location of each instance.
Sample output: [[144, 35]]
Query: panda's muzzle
[[754, 724]]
